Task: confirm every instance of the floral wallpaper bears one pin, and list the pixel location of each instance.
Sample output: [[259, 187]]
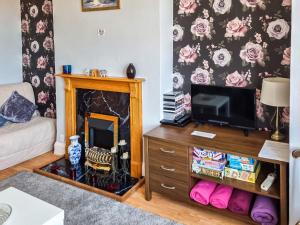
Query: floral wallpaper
[[232, 43], [38, 52]]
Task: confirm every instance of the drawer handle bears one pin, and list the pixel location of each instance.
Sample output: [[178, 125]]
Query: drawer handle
[[167, 169], [166, 151], [166, 187]]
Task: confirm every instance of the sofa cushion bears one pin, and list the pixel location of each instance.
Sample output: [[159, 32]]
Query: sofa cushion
[[17, 109], [3, 121], [24, 89]]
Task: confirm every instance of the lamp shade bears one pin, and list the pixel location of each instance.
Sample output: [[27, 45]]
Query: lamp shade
[[276, 92]]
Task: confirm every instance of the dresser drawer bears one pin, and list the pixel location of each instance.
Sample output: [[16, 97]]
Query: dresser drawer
[[175, 170], [169, 152], [170, 187]]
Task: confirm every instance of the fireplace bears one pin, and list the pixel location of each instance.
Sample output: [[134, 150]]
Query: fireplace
[[100, 136], [101, 131], [103, 111]]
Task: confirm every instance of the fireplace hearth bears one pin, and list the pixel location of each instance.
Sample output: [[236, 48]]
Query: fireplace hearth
[[98, 179]]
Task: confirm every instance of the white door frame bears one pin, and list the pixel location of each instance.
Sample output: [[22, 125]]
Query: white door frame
[[295, 117]]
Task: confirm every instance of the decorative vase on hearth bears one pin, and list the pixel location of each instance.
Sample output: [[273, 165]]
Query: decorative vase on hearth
[[74, 150], [131, 71]]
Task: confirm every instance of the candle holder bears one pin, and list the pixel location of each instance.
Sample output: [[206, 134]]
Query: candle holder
[[122, 144], [114, 163], [125, 166], [93, 179]]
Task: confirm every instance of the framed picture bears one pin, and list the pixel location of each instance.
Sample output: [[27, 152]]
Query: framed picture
[[98, 5]]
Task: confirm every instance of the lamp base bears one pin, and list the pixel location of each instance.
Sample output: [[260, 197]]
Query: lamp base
[[277, 136]]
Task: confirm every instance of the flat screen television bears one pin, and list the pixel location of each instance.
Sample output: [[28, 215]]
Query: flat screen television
[[231, 106]]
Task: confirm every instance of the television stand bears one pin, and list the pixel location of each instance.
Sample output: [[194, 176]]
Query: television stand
[[168, 158]]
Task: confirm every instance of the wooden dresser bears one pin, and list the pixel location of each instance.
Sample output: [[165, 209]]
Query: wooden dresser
[[168, 168], [168, 157]]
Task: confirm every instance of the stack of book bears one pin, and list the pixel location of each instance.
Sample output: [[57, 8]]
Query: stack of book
[[173, 105]]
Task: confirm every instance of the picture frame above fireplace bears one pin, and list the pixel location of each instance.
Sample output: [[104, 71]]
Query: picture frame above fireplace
[[99, 5], [101, 130]]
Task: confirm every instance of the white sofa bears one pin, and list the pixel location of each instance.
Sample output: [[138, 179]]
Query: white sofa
[[22, 141]]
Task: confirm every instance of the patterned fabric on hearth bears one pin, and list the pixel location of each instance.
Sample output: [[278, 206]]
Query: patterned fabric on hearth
[[232, 43], [38, 52]]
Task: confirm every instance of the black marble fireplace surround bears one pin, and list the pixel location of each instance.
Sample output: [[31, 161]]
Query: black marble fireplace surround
[[107, 103]]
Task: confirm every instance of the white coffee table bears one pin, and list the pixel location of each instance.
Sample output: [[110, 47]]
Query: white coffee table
[[28, 210]]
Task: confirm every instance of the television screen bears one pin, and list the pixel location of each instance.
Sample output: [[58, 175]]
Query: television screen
[[224, 105]]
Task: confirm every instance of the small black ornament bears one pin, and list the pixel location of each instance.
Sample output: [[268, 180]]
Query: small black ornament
[[131, 71]]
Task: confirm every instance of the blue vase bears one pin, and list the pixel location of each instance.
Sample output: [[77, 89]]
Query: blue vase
[[74, 150]]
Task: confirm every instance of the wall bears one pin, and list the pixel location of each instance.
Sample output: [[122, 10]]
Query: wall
[[232, 43], [10, 42], [132, 35], [38, 52], [166, 48]]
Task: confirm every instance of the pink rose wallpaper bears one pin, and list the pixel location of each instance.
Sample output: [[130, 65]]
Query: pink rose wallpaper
[[41, 27], [187, 55], [236, 80], [252, 53], [201, 76], [201, 28], [38, 52], [232, 43], [286, 58], [236, 28], [187, 7]]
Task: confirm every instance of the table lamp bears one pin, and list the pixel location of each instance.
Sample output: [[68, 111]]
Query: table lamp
[[276, 92]]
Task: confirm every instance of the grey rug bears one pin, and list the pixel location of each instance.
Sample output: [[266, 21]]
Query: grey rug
[[81, 207]]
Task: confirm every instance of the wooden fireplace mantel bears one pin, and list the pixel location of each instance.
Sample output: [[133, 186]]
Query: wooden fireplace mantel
[[113, 84]]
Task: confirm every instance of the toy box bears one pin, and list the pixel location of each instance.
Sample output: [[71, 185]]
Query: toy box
[[208, 154], [237, 159], [212, 173], [210, 164], [197, 168], [242, 166], [243, 175]]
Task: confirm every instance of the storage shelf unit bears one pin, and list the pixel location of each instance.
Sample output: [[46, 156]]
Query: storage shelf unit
[[168, 157]]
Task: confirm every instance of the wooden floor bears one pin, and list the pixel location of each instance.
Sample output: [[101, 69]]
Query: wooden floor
[[159, 205]]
